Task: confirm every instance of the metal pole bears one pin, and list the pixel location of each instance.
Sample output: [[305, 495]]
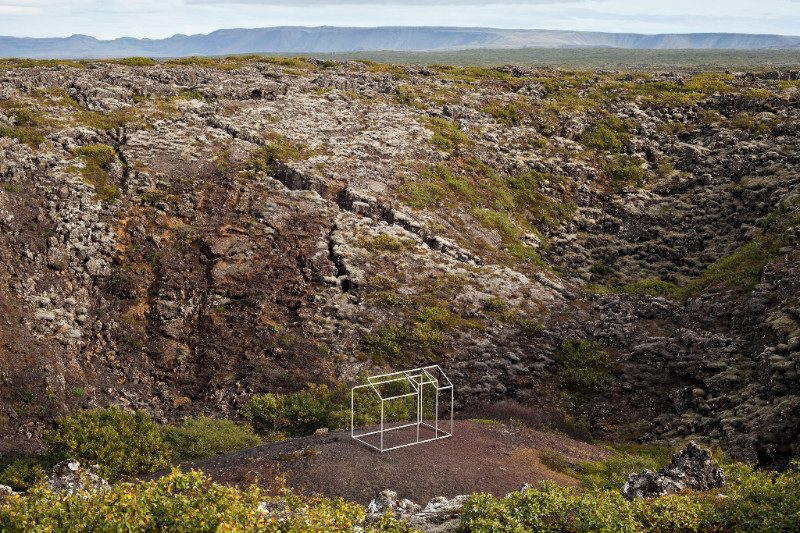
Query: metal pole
[[419, 403], [352, 412], [451, 410], [436, 411]]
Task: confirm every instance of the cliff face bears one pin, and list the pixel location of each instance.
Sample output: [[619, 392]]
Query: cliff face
[[175, 237]]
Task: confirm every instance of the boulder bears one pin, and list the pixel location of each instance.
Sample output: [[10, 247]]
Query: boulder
[[692, 468], [440, 515], [68, 476]]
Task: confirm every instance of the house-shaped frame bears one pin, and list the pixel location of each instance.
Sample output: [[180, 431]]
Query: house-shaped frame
[[430, 380]]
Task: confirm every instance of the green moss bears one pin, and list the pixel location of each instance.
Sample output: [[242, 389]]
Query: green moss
[[386, 243], [508, 113], [30, 136], [583, 366], [447, 135], [97, 164], [279, 149], [510, 235]]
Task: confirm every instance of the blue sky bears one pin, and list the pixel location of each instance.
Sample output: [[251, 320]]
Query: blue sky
[[161, 18]]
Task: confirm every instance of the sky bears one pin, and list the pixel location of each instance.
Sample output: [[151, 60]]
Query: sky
[[108, 19]]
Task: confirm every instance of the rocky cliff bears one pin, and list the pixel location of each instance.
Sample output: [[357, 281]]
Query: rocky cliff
[[615, 251]]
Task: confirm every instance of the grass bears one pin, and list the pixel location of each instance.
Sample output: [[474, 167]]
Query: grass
[[447, 136], [386, 243], [30, 136], [98, 160], [740, 271], [281, 149], [508, 113], [108, 121]]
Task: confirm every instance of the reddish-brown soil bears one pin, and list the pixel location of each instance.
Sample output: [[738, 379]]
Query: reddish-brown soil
[[480, 457]]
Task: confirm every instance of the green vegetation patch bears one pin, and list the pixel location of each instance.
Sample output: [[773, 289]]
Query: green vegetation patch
[[508, 113], [386, 243], [123, 444], [447, 136], [204, 437], [583, 366], [282, 149], [625, 171], [610, 134], [752, 500], [179, 502], [98, 160]]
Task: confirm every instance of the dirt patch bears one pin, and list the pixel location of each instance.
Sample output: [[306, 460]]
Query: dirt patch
[[480, 457]]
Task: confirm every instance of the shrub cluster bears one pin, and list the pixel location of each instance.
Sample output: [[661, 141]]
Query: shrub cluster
[[187, 502], [583, 366], [127, 444], [754, 500]]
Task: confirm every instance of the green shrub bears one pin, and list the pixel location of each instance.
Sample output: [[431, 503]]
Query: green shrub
[[123, 444], [204, 437], [180, 502], [678, 512], [317, 406], [24, 472], [136, 62], [625, 171], [611, 134], [583, 366]]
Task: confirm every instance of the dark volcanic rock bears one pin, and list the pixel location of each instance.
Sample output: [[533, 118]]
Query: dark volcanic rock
[[693, 468]]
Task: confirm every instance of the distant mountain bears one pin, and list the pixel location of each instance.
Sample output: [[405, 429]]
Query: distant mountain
[[336, 39]]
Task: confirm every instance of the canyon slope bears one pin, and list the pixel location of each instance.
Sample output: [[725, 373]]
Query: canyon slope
[[609, 253]]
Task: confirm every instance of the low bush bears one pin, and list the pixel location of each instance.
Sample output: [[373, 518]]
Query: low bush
[[583, 366], [24, 472], [124, 444], [752, 500], [204, 437], [624, 171], [188, 502]]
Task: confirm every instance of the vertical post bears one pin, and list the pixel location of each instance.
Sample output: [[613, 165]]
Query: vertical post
[[436, 411], [381, 424], [451, 409], [352, 411], [419, 404]]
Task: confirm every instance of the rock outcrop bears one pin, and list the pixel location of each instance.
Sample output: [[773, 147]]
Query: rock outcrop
[[68, 476], [440, 515], [693, 468]]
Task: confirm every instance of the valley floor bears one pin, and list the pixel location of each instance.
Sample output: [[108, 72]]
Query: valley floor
[[480, 457]]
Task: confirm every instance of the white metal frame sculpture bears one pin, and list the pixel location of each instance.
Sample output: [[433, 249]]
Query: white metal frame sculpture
[[418, 378]]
